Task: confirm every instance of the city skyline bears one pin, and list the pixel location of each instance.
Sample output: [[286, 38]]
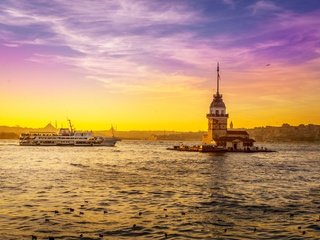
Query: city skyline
[[151, 65]]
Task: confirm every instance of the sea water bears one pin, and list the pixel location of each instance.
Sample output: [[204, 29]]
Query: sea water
[[140, 190]]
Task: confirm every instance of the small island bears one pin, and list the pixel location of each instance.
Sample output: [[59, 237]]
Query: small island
[[219, 138]]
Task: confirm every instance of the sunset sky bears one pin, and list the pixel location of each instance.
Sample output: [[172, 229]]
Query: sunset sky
[[151, 64]]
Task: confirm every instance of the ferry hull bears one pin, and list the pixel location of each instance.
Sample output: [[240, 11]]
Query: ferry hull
[[104, 144], [107, 142]]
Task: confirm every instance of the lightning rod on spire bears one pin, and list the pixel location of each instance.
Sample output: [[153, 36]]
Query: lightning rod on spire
[[218, 79]]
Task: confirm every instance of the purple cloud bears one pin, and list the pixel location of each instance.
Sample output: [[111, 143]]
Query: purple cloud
[[114, 41], [263, 5]]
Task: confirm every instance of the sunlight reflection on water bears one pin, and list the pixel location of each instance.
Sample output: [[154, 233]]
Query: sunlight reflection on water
[[139, 189]]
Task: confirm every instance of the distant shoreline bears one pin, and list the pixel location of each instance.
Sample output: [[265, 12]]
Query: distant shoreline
[[284, 133], [188, 140]]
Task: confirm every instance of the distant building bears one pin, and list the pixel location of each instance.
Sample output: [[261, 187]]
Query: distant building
[[217, 126]]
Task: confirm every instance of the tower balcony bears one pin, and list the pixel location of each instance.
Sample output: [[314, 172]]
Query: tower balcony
[[209, 115]]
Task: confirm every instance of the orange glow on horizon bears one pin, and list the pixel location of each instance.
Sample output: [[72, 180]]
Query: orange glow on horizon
[[180, 107], [157, 72]]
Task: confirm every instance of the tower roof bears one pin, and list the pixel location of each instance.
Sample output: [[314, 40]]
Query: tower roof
[[217, 98], [217, 102]]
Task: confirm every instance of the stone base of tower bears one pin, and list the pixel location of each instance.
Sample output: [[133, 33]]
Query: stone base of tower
[[207, 139], [212, 136]]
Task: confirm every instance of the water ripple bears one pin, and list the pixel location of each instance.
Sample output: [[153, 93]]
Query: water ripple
[[141, 190]]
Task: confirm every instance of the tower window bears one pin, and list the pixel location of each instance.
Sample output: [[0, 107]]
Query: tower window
[[217, 112]]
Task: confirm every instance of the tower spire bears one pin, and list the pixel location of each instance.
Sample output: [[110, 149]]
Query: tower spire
[[218, 79]]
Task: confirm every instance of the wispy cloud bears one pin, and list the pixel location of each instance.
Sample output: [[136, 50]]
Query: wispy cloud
[[11, 45], [263, 5], [230, 3], [126, 42], [115, 39]]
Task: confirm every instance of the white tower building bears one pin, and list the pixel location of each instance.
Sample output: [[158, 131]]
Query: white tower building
[[217, 116]]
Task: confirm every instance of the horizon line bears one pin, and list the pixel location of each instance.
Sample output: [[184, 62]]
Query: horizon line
[[168, 130]]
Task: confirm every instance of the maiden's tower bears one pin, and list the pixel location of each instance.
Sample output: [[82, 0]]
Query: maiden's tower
[[217, 116], [219, 138], [218, 133]]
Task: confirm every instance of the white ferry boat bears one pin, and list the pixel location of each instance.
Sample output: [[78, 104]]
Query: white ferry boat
[[66, 137]]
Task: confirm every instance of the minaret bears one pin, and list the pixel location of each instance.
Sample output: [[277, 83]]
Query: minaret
[[217, 116]]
